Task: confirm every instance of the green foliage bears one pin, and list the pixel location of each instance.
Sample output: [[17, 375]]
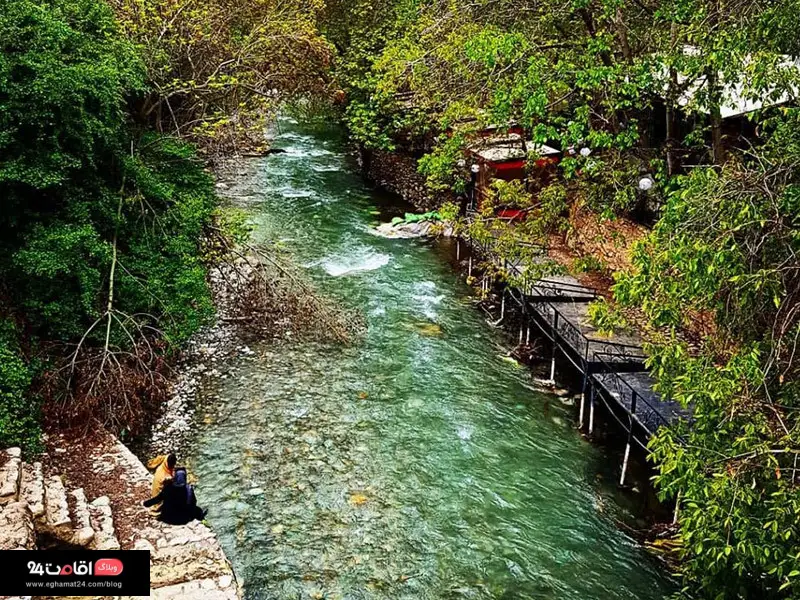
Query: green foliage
[[19, 418], [606, 318], [588, 264], [64, 75], [552, 207], [449, 212], [100, 221], [441, 165], [735, 472], [218, 70], [727, 245]]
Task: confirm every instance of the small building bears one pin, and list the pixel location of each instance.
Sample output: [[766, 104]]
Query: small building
[[507, 157]]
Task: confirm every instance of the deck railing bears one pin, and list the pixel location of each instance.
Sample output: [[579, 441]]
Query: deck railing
[[630, 399], [564, 330]]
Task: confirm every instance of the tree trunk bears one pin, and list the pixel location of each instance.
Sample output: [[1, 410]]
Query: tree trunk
[[673, 162], [715, 100], [622, 31]]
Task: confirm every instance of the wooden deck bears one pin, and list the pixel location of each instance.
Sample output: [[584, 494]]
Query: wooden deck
[[612, 367]]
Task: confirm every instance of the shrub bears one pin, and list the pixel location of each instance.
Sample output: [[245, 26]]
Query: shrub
[[19, 414]]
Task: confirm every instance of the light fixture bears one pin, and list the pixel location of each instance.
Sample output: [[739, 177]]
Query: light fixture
[[475, 168], [646, 183]]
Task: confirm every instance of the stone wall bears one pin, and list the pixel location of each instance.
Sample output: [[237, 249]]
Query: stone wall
[[397, 173]]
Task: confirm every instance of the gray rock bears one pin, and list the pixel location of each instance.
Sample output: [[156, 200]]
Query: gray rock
[[404, 230], [201, 589], [10, 476], [83, 533], [102, 521], [56, 507], [16, 527], [32, 490]]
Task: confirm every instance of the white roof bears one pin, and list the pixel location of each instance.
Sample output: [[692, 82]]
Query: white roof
[[508, 147], [735, 98], [735, 101]]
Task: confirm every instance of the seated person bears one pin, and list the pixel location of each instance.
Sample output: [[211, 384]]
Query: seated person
[[177, 501], [164, 466]]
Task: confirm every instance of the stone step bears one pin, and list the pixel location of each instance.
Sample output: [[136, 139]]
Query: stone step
[[102, 521], [82, 531], [32, 489], [56, 522], [16, 527], [10, 475], [219, 588]]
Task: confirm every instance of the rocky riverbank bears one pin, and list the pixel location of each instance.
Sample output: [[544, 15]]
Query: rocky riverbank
[[46, 505], [187, 561]]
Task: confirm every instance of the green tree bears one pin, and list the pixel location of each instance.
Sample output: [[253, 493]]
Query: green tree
[[727, 245], [102, 224]]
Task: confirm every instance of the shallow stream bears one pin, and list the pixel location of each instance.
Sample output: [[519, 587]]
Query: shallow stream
[[418, 464]]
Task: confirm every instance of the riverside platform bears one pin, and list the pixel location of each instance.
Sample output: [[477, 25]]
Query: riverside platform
[[612, 368]]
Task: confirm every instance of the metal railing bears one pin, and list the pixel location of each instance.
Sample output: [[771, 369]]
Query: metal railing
[[647, 414], [561, 328], [565, 289]]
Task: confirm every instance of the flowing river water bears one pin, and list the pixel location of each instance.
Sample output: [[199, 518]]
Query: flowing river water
[[416, 464]]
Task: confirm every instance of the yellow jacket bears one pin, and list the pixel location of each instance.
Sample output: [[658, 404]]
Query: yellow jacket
[[161, 477]]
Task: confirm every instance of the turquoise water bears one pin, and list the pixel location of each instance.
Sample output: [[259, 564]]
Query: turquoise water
[[416, 464]]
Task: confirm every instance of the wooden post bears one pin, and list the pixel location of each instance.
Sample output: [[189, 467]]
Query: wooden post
[[555, 348], [630, 438], [591, 411], [458, 249], [625, 461], [469, 267], [528, 335]]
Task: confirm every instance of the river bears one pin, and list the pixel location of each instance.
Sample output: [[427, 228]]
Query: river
[[417, 464]]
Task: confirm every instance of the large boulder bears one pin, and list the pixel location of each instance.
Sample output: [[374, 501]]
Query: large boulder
[[404, 230], [16, 527]]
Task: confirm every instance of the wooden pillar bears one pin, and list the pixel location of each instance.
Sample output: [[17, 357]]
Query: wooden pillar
[[630, 438], [591, 410], [625, 461], [581, 411], [585, 382], [458, 249], [555, 348], [528, 335]]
